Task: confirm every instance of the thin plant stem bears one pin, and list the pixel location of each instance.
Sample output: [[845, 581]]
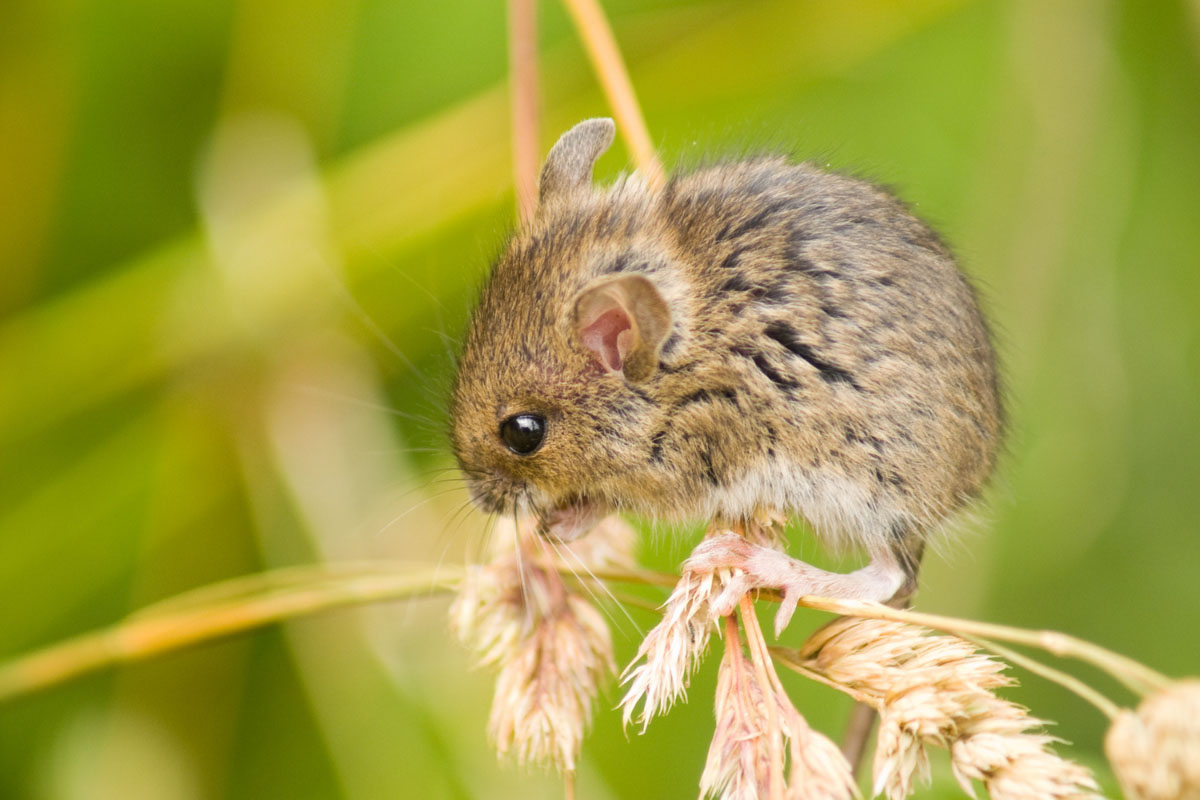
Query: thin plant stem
[[1139, 678], [857, 733], [259, 583], [597, 36], [142, 636], [623, 598], [761, 659], [1068, 682], [523, 95], [243, 603], [790, 659], [731, 630], [643, 576]]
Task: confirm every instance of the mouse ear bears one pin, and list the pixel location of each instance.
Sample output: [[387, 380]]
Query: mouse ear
[[568, 167], [622, 321]]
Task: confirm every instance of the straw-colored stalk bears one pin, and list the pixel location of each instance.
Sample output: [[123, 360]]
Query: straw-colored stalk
[[760, 736], [523, 99], [553, 652], [592, 26]]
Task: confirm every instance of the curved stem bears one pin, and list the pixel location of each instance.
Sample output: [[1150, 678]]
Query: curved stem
[[259, 583], [642, 576], [1068, 682], [1139, 678], [144, 635], [243, 603], [792, 661], [602, 50]]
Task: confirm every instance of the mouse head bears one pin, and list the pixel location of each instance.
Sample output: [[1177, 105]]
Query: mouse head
[[551, 402]]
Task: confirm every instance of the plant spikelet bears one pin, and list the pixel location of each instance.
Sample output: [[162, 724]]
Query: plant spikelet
[[1155, 751], [552, 649], [938, 690], [671, 652], [741, 757]]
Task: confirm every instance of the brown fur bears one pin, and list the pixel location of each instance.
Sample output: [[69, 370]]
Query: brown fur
[[824, 356]]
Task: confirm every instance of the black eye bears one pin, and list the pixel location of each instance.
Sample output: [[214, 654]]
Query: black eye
[[523, 433]]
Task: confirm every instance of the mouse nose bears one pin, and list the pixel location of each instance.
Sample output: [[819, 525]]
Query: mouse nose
[[487, 501], [494, 491]]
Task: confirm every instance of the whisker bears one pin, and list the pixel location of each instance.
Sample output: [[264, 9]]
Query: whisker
[[320, 391], [485, 537], [596, 600], [450, 344], [426, 501], [351, 303], [521, 562], [457, 519], [422, 487], [447, 475]]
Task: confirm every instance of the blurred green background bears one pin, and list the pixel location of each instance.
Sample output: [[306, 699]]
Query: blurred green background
[[238, 239]]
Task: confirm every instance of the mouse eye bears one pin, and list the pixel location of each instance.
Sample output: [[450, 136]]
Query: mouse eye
[[523, 433]]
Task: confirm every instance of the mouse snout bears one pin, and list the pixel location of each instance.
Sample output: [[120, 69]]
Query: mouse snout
[[485, 500], [493, 491], [569, 522]]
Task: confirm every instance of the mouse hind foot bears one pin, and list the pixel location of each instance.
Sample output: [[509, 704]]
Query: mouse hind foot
[[891, 574]]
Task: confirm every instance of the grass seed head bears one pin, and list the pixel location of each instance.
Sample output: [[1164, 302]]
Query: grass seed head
[[741, 756], [671, 651], [552, 650], [939, 690], [545, 692], [1155, 751]]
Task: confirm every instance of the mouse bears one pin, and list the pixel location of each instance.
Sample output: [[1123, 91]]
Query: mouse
[[752, 337]]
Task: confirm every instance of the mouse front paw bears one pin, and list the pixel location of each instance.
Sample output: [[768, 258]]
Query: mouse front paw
[[723, 551], [754, 567]]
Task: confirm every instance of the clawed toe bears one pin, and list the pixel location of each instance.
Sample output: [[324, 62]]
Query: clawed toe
[[724, 551], [755, 567], [735, 589], [758, 567], [787, 607]]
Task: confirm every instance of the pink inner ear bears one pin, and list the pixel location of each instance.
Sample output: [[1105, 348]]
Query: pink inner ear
[[609, 336]]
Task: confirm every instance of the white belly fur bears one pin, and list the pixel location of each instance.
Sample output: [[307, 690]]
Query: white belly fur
[[841, 511]]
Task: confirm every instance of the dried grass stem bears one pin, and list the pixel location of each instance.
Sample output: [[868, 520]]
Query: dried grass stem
[[523, 94], [240, 605], [248, 602], [1137, 677], [1069, 682], [761, 659], [593, 28]]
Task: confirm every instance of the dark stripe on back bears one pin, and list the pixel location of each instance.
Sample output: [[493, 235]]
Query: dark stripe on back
[[784, 335], [756, 221], [656, 446], [709, 472]]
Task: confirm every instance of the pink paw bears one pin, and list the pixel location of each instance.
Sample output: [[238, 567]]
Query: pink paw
[[755, 567], [723, 551]]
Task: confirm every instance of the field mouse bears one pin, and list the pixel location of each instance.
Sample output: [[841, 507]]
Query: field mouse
[[758, 336]]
